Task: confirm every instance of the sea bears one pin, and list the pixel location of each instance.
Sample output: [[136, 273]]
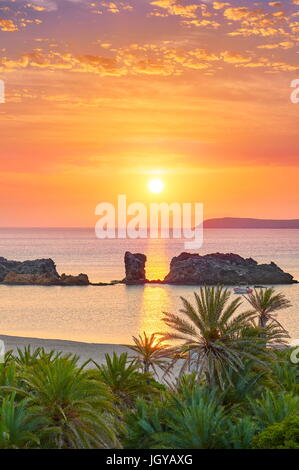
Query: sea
[[113, 314]]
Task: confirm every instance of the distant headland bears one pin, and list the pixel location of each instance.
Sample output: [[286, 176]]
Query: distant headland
[[242, 223]]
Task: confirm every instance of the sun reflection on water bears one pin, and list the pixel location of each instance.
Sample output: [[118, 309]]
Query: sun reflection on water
[[157, 265], [155, 300]]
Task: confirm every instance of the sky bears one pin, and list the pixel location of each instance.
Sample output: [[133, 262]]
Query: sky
[[102, 96]]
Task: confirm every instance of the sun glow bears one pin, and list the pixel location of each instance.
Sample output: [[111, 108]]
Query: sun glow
[[155, 185]]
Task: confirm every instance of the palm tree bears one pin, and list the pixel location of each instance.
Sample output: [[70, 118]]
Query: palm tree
[[78, 408], [191, 419], [124, 379], [19, 428], [27, 357], [273, 407], [212, 335], [194, 421], [266, 303], [151, 351]]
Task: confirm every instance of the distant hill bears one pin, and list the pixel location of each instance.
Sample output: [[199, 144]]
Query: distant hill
[[236, 222]]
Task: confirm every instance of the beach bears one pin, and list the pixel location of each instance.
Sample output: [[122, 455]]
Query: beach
[[85, 351]]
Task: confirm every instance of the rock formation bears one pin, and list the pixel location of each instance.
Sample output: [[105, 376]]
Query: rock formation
[[226, 269], [37, 272], [69, 280], [135, 268], [38, 267], [25, 279], [185, 269]]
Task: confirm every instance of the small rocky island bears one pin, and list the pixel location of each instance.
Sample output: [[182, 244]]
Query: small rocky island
[[186, 269], [217, 268], [37, 272], [135, 268]]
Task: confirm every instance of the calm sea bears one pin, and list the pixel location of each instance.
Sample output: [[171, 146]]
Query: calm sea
[[113, 314]]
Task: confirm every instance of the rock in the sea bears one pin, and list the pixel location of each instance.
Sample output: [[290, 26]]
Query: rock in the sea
[[38, 266], [40, 272], [45, 279], [69, 280], [135, 268], [225, 269]]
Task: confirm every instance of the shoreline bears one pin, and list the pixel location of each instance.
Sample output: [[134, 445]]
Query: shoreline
[[85, 351]]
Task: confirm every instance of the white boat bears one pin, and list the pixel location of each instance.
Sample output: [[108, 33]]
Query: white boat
[[243, 290]]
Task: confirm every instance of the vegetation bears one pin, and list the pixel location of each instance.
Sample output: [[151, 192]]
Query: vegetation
[[266, 303], [215, 339], [151, 352], [220, 385], [283, 435]]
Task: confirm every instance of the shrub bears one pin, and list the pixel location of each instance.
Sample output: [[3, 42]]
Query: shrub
[[284, 435]]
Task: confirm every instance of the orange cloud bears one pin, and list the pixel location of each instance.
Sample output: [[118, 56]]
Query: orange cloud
[[8, 25], [220, 5], [173, 7]]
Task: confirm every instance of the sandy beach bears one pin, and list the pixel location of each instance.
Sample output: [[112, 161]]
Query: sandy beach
[[85, 351]]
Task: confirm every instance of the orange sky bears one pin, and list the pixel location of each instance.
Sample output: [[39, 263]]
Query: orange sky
[[101, 95]]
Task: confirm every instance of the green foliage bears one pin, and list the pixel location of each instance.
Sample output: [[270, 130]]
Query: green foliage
[[249, 383], [214, 337], [240, 433], [72, 402], [76, 410], [27, 357], [192, 418], [19, 428], [8, 374], [266, 303], [283, 435], [124, 379], [240, 394], [143, 424], [285, 374], [273, 407], [152, 352]]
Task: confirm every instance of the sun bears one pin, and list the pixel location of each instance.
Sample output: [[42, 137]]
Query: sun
[[155, 185]]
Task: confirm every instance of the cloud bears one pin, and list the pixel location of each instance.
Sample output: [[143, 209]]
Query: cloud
[[173, 7], [8, 25], [203, 24], [279, 45], [220, 5], [112, 7], [234, 58], [160, 59], [275, 4], [43, 5]]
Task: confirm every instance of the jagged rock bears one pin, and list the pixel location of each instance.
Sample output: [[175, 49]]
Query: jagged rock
[[37, 272], [69, 280], [226, 269], [38, 267], [135, 268], [30, 279]]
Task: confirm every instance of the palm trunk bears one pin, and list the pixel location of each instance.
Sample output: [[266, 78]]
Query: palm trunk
[[263, 321]]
